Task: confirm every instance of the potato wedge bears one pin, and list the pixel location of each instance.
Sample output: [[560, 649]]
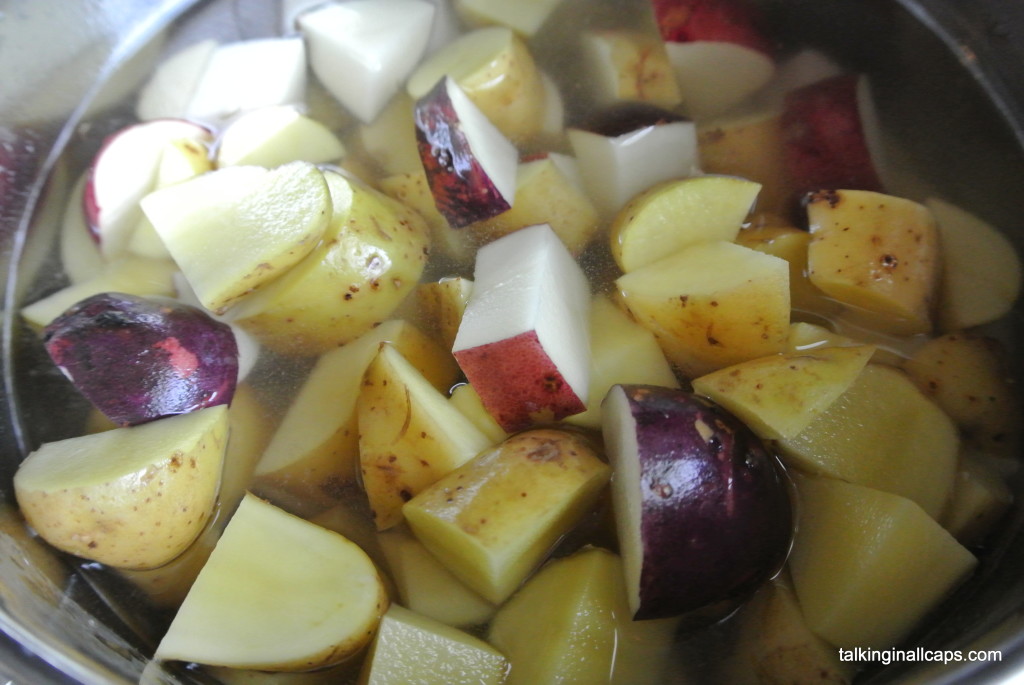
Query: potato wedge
[[371, 258], [236, 229], [868, 565], [780, 395], [133, 497], [410, 436], [277, 594], [711, 305], [882, 433], [314, 453], [412, 648]]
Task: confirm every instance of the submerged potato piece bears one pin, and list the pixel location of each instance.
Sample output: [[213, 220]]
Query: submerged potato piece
[[411, 648], [702, 507], [780, 395], [138, 359], [413, 190], [440, 305], [546, 193], [250, 426], [314, 453], [624, 65], [371, 258], [749, 145], [133, 497], [790, 243], [711, 305], [492, 520], [425, 586], [981, 270], [673, 215], [495, 69], [277, 594], [868, 565], [570, 624], [968, 376], [882, 433], [621, 351], [981, 496], [409, 435], [234, 230], [129, 274], [775, 644], [877, 253]]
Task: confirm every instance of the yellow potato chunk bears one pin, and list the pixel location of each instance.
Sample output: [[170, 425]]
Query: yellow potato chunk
[[967, 375], [134, 497], [711, 305], [314, 453], [570, 624], [409, 435], [980, 498], [876, 253], [749, 144], [868, 565], [278, 594], [370, 259], [410, 648], [882, 433], [780, 395], [492, 520], [775, 645]]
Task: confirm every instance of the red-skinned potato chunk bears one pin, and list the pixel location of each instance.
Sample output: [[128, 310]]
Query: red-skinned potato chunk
[[524, 342], [826, 143], [701, 506], [726, 21], [139, 359]]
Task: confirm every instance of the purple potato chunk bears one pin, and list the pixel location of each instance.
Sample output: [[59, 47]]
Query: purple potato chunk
[[139, 359], [703, 509], [460, 182]]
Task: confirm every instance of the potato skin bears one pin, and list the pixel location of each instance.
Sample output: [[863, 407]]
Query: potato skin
[[716, 518], [140, 359]]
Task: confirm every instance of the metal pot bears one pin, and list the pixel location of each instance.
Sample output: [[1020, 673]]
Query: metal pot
[[951, 81]]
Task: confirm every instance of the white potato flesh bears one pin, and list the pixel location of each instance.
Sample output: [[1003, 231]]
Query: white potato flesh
[[617, 168], [123, 171], [981, 268], [169, 90], [673, 215], [278, 593], [524, 341], [247, 75], [714, 76], [363, 50], [271, 136]]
